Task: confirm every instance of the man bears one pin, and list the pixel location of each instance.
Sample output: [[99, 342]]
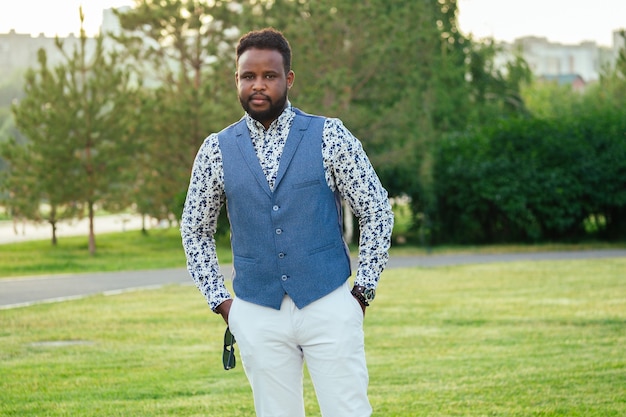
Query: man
[[281, 173]]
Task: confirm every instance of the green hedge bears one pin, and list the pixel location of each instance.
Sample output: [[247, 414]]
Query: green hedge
[[533, 180]]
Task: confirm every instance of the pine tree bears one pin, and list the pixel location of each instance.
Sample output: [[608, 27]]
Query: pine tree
[[79, 152]]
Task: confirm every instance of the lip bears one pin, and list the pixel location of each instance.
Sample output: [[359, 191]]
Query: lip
[[258, 99]]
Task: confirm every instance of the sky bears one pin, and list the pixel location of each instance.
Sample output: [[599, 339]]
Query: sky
[[564, 21]]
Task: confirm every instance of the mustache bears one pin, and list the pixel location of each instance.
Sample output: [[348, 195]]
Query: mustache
[[259, 95]]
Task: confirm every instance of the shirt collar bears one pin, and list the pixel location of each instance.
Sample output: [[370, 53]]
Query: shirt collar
[[284, 120]]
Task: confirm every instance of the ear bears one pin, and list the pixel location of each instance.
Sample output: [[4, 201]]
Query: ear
[[290, 78], [236, 78]]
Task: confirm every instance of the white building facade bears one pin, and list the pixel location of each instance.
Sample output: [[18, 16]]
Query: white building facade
[[545, 58], [587, 59]]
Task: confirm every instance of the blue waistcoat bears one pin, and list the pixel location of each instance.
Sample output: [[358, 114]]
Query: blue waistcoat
[[289, 240]]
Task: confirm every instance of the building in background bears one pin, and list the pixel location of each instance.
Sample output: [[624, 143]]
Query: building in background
[[575, 81], [619, 42], [18, 51], [577, 65], [546, 59], [554, 59]]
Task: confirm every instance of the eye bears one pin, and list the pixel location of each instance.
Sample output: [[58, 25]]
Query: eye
[[270, 76]]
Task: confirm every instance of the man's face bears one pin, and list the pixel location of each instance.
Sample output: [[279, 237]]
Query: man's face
[[262, 84]]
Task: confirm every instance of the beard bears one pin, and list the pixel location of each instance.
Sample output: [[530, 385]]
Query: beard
[[269, 115]]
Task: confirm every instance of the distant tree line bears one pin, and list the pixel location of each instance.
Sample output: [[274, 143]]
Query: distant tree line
[[482, 152]]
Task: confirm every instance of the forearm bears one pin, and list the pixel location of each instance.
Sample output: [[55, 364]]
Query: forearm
[[203, 266], [204, 201], [351, 173], [374, 244]]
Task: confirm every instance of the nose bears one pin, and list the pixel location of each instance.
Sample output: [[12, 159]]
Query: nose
[[258, 84]]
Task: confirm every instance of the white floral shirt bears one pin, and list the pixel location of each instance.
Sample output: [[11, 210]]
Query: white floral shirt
[[347, 169]]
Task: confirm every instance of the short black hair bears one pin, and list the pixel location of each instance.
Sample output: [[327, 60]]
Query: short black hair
[[268, 38]]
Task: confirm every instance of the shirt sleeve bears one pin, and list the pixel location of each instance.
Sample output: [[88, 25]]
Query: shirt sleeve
[[349, 171], [204, 201]]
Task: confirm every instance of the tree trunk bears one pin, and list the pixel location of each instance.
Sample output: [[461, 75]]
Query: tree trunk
[[143, 225], [53, 222], [54, 232], [92, 236]]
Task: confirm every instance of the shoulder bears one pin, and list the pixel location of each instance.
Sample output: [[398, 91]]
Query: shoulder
[[335, 130], [335, 124], [210, 147]]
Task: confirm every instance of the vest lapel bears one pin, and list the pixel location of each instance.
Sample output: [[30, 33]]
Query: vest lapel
[[244, 142], [296, 133]]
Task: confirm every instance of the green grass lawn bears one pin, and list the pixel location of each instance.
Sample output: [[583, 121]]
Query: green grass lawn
[[131, 250], [511, 339], [162, 248]]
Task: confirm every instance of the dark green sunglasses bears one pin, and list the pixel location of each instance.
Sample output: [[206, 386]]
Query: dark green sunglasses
[[228, 356]]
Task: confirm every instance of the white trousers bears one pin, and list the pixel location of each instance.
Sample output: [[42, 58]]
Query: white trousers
[[327, 335]]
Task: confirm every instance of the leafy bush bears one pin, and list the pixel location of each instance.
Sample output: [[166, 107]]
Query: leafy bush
[[533, 179]]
